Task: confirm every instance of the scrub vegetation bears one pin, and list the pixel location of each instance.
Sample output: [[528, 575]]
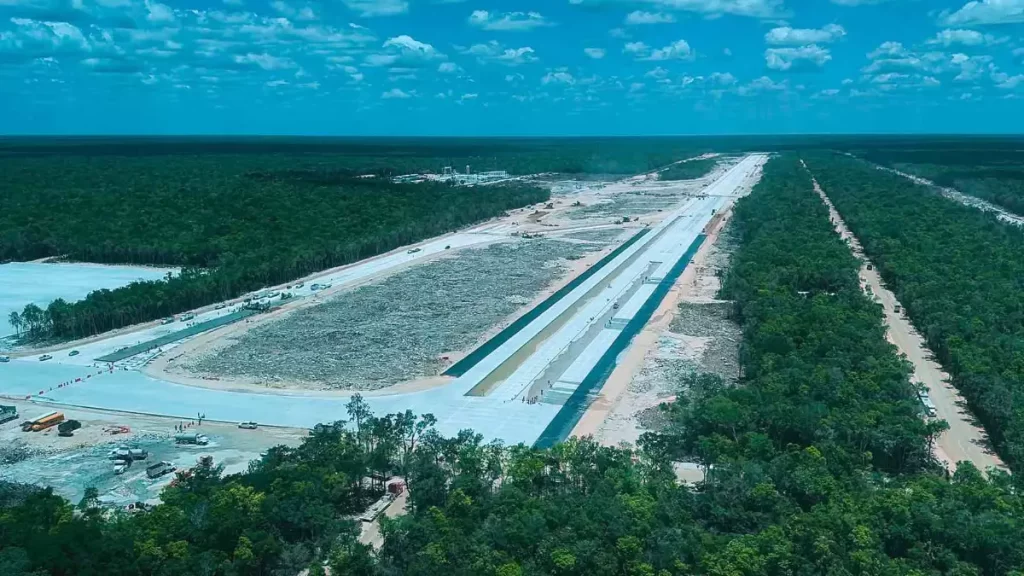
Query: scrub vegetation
[[817, 462], [958, 273]]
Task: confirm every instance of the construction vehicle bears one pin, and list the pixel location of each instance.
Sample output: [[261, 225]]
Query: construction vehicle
[[261, 306], [168, 320], [68, 427], [220, 306], [159, 469], [898, 309], [926, 401], [122, 466], [414, 250], [45, 421], [125, 453], [8, 413], [191, 438], [186, 317]]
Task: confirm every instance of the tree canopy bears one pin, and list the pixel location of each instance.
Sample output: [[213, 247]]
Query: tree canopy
[[958, 272]]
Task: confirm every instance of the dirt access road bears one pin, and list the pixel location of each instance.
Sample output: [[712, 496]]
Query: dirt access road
[[964, 440]]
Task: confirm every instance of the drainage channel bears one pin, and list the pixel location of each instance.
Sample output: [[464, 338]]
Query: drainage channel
[[474, 357], [562, 424]]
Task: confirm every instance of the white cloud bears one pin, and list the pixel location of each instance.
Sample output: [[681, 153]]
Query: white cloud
[[404, 51], [786, 36], [710, 8], [395, 93], [657, 73], [784, 59], [371, 8], [976, 13], [678, 50], [561, 77], [509, 21], [635, 48], [618, 33], [857, 2], [448, 68], [723, 79], [949, 37], [595, 53], [639, 17], [302, 14], [889, 49], [158, 12], [894, 57], [470, 96], [265, 61], [762, 84], [495, 52]]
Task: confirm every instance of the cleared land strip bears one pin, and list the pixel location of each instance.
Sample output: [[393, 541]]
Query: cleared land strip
[[965, 199], [964, 440]]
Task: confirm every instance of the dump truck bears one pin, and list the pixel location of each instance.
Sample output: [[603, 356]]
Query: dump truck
[[43, 422], [8, 413], [159, 469], [68, 427], [125, 453], [191, 438]]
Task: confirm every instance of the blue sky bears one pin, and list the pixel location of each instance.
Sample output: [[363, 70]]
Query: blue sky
[[510, 67]]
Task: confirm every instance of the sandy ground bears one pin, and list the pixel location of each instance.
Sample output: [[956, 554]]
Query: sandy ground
[[70, 464], [371, 530], [611, 418], [964, 440]]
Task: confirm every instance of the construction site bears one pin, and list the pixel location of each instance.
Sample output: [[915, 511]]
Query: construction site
[[575, 316]]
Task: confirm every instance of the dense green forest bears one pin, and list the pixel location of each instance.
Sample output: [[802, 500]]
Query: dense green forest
[[993, 175], [233, 223], [385, 155], [689, 170], [817, 463], [958, 272]]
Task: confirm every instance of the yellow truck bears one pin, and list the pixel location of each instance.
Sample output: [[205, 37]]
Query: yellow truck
[[43, 422]]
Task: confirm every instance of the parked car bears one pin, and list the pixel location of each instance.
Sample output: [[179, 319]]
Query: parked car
[[45, 357], [73, 353], [248, 425]]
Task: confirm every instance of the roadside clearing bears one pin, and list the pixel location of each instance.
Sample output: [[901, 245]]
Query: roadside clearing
[[964, 440]]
